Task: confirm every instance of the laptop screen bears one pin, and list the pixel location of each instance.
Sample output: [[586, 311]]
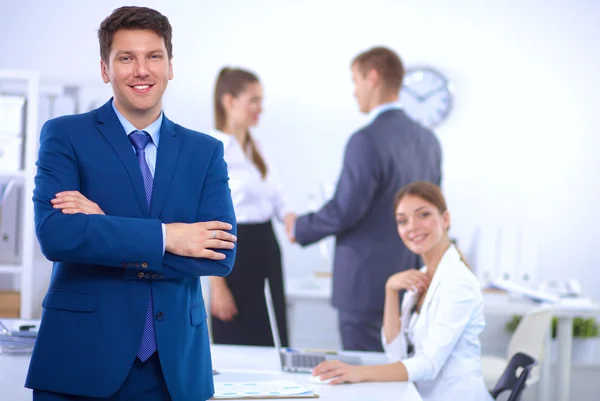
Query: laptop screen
[[272, 317]]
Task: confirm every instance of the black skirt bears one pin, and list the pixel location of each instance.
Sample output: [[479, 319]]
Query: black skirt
[[257, 257]]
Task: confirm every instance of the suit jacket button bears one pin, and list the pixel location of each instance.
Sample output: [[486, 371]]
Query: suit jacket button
[[147, 275], [137, 264], [130, 264], [160, 316], [144, 265], [141, 275], [154, 275]]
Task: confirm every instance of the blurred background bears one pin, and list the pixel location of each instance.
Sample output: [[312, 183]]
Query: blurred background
[[520, 165]]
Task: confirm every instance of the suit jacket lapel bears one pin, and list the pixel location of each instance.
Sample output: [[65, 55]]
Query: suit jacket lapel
[[166, 160], [409, 302], [111, 128], [442, 270]]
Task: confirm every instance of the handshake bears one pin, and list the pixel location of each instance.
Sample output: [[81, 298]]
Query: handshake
[[289, 221]]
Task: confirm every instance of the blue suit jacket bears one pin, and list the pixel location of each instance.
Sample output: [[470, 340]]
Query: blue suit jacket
[[106, 266]]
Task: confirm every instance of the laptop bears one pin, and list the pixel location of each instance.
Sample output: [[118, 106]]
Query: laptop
[[300, 360]]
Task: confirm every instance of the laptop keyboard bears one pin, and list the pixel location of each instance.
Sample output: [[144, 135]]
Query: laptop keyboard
[[306, 361]]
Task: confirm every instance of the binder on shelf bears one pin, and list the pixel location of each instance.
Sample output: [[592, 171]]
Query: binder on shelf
[[10, 213], [11, 154], [12, 115]]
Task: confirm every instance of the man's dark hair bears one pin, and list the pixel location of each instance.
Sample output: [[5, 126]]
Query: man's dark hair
[[130, 17]]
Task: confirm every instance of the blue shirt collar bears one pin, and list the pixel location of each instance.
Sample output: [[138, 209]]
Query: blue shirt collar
[[153, 129]]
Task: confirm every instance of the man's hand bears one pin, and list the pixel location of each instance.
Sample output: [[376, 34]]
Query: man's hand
[[198, 239], [71, 202], [289, 221]]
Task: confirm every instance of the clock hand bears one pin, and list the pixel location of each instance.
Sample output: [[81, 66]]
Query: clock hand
[[430, 93], [411, 93]]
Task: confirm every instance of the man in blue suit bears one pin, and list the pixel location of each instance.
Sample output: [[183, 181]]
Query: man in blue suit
[[133, 209]]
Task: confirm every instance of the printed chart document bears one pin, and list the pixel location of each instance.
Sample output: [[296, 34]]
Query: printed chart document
[[536, 295], [261, 389]]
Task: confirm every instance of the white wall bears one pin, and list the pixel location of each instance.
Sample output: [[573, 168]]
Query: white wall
[[520, 145]]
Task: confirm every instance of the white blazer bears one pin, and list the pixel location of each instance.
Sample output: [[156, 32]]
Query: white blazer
[[446, 361]]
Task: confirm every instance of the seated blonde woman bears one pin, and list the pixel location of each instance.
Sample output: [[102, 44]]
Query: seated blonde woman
[[432, 339]]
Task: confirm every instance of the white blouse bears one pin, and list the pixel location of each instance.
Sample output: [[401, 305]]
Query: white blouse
[[255, 200], [445, 364]]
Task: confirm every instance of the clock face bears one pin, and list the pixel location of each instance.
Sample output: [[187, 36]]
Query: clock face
[[426, 96]]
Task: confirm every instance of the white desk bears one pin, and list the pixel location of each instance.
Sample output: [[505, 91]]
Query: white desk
[[237, 363], [261, 363], [319, 289]]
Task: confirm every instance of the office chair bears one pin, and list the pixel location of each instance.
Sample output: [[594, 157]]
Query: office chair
[[528, 338], [512, 381]]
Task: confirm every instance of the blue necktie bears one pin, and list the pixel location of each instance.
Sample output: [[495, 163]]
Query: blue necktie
[[139, 140]]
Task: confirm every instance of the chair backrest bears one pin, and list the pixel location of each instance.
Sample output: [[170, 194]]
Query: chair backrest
[[513, 380], [529, 336]]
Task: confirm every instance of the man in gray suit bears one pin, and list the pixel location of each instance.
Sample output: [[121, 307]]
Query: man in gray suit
[[380, 158]]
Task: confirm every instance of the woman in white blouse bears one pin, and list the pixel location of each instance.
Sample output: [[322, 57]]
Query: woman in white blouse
[[433, 338], [238, 310]]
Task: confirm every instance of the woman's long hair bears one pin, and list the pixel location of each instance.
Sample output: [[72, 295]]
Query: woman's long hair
[[234, 82]]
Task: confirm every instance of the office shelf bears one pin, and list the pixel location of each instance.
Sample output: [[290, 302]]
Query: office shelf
[[18, 175], [10, 269], [29, 82]]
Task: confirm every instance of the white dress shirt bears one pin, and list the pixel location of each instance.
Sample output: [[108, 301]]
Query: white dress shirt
[[446, 363], [255, 200]]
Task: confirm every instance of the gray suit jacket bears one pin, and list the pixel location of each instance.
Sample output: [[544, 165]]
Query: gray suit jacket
[[379, 159]]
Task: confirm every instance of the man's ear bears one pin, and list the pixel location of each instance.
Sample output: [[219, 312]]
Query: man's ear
[[372, 77], [104, 71], [170, 69]]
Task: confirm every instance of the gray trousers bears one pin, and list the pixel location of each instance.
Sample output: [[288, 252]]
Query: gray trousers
[[361, 331]]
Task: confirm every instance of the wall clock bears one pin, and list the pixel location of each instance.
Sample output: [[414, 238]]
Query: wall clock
[[426, 96]]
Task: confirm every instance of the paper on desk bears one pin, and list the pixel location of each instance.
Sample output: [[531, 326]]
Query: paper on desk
[[14, 345], [536, 295], [16, 342], [577, 303], [260, 389]]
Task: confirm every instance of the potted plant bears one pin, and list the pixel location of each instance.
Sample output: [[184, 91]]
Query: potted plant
[[586, 338]]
